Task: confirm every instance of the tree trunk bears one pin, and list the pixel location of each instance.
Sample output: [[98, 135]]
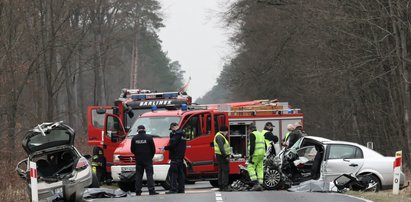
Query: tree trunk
[[134, 58]]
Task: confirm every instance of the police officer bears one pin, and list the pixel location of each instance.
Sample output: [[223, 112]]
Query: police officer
[[222, 151], [269, 137], [143, 148], [255, 166], [177, 148]]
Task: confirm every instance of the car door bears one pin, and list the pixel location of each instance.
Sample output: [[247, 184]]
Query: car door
[[96, 116], [342, 159], [199, 135]]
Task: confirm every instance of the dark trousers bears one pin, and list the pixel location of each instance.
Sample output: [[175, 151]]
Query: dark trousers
[[177, 175], [148, 167], [223, 171]]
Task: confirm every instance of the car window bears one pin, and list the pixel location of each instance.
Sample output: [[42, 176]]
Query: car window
[[344, 152], [307, 152]]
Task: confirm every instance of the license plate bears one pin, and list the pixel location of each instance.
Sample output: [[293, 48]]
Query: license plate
[[128, 169]]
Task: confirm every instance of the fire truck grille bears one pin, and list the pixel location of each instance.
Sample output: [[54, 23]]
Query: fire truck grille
[[127, 159]]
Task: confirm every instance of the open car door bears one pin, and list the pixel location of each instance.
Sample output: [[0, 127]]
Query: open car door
[[95, 126], [113, 133]]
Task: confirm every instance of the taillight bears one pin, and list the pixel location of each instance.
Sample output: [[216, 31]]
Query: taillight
[[82, 164]]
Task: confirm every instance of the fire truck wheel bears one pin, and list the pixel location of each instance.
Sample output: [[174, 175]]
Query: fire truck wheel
[[166, 184], [190, 182], [214, 183], [126, 186], [272, 179]]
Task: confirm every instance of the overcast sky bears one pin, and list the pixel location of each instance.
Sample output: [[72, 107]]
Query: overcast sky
[[194, 36]]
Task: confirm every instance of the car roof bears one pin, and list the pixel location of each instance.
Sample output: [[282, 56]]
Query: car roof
[[319, 139]]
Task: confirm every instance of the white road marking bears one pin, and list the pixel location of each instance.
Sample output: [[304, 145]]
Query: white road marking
[[218, 197]]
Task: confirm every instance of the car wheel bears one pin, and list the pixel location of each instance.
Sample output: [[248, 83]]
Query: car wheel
[[272, 179], [214, 183], [127, 186], [371, 179]]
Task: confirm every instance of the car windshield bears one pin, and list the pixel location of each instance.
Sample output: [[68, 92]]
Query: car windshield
[[296, 145], [155, 125]]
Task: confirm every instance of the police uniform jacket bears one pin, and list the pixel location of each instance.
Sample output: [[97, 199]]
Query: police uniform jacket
[[143, 148], [177, 145]]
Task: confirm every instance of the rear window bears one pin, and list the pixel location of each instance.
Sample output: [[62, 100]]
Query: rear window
[[53, 138]]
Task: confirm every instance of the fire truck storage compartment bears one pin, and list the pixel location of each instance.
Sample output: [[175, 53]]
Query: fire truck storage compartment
[[238, 138]]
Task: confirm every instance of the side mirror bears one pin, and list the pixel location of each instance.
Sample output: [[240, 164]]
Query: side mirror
[[128, 129], [130, 114], [87, 156]]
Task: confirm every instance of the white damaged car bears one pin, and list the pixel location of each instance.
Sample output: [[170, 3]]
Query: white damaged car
[[62, 171], [327, 159]]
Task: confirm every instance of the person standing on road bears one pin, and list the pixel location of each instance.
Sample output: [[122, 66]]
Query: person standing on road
[[290, 128], [98, 164], [297, 133], [222, 151], [255, 167], [143, 148], [177, 148], [269, 137]]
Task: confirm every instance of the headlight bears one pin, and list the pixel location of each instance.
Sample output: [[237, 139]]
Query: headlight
[[116, 158], [158, 157]]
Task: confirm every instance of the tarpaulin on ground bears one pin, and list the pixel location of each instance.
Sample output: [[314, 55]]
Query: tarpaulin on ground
[[311, 186], [103, 193]]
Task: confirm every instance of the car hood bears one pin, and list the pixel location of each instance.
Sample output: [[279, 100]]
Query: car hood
[[46, 136]]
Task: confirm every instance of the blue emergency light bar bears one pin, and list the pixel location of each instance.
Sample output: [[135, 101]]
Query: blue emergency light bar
[[138, 97], [148, 96]]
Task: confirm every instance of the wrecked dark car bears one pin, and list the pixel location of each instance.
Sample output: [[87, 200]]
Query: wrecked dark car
[[62, 172]]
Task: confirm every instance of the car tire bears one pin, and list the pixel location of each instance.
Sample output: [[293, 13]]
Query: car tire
[[272, 179], [214, 183], [372, 179], [94, 183], [127, 186]]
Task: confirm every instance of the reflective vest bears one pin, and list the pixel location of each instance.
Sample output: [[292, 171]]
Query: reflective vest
[[286, 136], [227, 148], [259, 149], [267, 142]]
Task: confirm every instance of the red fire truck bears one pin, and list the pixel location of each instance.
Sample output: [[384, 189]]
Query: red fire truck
[[200, 123], [127, 108]]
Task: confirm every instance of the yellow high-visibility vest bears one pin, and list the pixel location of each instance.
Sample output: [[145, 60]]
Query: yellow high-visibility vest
[[227, 148], [259, 144]]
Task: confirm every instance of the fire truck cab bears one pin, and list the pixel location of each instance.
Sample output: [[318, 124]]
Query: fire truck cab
[[200, 123]]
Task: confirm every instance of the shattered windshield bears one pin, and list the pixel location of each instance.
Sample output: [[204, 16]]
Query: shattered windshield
[[155, 125]]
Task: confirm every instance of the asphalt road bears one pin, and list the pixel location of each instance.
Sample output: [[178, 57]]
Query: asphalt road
[[203, 192]]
